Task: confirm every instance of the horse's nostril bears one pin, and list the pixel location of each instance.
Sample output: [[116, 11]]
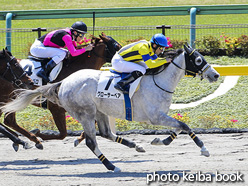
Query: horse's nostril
[[216, 76]]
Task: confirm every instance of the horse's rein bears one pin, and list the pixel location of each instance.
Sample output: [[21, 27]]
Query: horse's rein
[[93, 50], [182, 68], [80, 46], [170, 92]]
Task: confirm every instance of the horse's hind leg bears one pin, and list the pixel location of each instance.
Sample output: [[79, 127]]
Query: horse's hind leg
[[90, 134], [82, 136], [180, 126], [105, 131], [79, 139]]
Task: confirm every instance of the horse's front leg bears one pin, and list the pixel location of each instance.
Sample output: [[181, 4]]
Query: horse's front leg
[[167, 141], [166, 120], [13, 136], [10, 120]]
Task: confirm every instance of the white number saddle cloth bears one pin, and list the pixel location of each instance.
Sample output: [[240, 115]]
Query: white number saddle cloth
[[105, 88], [31, 67]]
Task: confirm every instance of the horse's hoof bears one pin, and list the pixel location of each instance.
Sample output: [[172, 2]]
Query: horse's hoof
[[139, 148], [15, 146], [39, 146], [35, 131], [157, 141], [27, 146], [117, 169], [76, 142], [205, 152]]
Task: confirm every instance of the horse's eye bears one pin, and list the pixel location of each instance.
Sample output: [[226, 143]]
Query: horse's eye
[[198, 61]]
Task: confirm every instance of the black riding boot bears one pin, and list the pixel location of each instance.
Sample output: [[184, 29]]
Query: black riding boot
[[44, 73], [123, 84]]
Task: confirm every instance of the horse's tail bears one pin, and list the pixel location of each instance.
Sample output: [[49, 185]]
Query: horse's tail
[[26, 97]]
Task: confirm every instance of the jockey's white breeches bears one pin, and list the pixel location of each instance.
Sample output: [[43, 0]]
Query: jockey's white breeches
[[119, 64], [39, 50]]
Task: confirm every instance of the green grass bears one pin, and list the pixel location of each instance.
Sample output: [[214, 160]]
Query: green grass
[[221, 110], [196, 89]]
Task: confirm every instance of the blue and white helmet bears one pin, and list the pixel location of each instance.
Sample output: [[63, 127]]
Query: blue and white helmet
[[160, 40]]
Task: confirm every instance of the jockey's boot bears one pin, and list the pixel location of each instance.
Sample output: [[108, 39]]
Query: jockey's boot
[[124, 83], [44, 72]]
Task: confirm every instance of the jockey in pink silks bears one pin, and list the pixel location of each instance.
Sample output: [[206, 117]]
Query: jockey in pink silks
[[53, 43]]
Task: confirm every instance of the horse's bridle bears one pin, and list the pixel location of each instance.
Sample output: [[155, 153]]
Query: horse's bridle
[[93, 50], [16, 79], [201, 71]]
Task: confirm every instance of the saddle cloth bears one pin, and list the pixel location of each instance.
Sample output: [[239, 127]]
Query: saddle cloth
[[105, 88], [31, 67]]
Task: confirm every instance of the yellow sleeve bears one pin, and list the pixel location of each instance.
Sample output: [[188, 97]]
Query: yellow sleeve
[[156, 63], [143, 49]]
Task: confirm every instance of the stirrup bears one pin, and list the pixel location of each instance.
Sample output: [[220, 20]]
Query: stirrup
[[43, 76], [120, 88]]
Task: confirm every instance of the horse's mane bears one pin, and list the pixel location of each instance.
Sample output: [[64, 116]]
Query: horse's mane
[[169, 55], [172, 54], [95, 40]]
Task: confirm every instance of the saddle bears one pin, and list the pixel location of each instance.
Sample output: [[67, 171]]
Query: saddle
[[108, 79], [106, 90], [42, 61], [32, 65]]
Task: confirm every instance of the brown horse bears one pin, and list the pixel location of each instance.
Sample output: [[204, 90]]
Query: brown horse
[[103, 49], [12, 76], [16, 141]]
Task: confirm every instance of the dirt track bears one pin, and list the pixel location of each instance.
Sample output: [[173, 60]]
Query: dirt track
[[62, 164]]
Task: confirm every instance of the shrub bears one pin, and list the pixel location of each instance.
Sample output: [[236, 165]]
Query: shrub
[[210, 44], [214, 120], [230, 44], [126, 42], [72, 124], [124, 125], [243, 42], [183, 118], [176, 44]]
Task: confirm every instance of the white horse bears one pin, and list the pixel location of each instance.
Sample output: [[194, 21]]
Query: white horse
[[77, 94]]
